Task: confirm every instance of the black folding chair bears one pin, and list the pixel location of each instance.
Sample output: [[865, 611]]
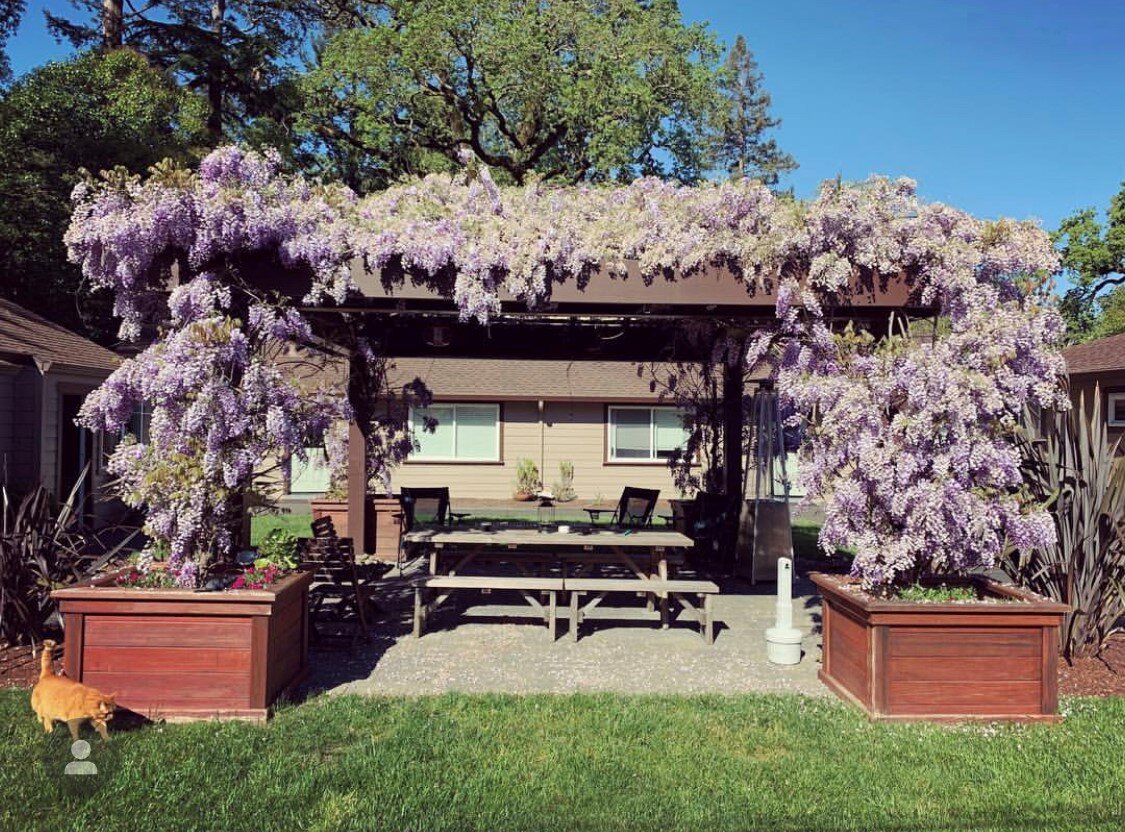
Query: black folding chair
[[337, 596], [425, 507], [633, 509]]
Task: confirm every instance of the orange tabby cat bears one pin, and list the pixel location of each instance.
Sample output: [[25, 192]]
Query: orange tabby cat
[[57, 698]]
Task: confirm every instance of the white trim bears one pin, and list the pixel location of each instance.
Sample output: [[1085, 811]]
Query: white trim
[[418, 456], [1111, 399], [653, 451]]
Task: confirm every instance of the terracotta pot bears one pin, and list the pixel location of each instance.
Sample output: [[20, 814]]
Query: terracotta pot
[[522, 497], [994, 659], [175, 653]]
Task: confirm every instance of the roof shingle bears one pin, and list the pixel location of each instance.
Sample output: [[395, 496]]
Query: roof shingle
[[26, 335], [1103, 355]]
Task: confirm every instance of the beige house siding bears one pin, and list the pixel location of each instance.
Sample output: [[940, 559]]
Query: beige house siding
[[570, 430], [1108, 382]]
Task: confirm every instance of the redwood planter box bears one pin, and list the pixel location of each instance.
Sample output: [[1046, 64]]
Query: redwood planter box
[[175, 653], [945, 661], [383, 525]]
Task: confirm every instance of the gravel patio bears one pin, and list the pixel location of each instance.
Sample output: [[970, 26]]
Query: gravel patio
[[492, 644]]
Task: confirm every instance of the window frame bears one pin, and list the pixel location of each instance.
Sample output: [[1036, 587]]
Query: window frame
[[653, 459], [417, 458], [1111, 397]]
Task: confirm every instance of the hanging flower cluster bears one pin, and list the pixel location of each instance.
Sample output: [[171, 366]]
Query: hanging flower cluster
[[910, 440], [218, 408]]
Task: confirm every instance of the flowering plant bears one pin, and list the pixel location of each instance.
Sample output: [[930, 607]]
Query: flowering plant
[[258, 577], [910, 442]]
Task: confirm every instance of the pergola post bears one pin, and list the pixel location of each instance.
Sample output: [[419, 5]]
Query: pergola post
[[733, 391], [357, 449]]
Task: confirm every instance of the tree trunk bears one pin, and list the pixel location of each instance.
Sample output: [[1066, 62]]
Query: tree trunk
[[215, 72], [112, 24]]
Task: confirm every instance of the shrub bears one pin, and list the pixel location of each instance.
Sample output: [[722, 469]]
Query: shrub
[[564, 485], [278, 548], [527, 477], [1070, 464], [41, 549]]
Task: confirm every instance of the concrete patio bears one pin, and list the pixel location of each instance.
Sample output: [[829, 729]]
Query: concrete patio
[[494, 644]]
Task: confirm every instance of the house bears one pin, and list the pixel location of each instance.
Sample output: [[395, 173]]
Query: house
[[46, 372], [601, 416], [1100, 364]]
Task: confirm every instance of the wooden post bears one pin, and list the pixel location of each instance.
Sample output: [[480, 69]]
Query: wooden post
[[733, 389], [357, 486], [359, 396]]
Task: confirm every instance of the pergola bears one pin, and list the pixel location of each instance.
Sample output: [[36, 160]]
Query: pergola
[[607, 319]]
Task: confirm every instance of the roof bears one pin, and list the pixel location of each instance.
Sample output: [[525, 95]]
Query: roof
[[1099, 356], [515, 379], [27, 336]]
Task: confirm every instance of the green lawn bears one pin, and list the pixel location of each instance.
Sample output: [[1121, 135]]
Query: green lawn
[[576, 763]]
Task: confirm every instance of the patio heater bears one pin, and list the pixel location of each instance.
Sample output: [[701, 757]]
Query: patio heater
[[545, 512]]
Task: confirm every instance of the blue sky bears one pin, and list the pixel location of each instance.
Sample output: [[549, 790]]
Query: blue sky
[[995, 106]]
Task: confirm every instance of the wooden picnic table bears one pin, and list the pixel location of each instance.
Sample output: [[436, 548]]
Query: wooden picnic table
[[646, 552]]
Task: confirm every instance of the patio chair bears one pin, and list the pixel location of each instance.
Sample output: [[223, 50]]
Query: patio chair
[[425, 507], [633, 509], [337, 594]]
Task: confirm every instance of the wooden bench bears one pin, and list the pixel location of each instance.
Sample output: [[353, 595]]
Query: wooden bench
[[680, 590], [446, 585]]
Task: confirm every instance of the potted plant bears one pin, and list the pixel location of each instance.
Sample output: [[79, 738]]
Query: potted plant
[[174, 652], [912, 445], [527, 480], [563, 488]]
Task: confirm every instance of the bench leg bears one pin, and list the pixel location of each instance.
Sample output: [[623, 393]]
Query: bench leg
[[575, 603], [552, 613], [419, 612], [708, 623]]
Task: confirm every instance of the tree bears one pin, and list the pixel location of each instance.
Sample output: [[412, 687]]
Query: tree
[[1093, 255], [237, 54], [567, 89], [95, 112], [11, 11], [741, 145]]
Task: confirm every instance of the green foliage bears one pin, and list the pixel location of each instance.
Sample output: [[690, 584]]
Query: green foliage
[[94, 112], [10, 13], [935, 594], [527, 477], [278, 548], [563, 489], [237, 54], [741, 145], [566, 89], [1071, 464], [460, 763], [1093, 254], [42, 548]]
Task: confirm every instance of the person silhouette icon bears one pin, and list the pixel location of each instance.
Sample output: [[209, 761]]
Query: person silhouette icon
[[80, 750]]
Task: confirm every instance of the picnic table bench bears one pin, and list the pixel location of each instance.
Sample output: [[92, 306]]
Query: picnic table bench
[[431, 591]]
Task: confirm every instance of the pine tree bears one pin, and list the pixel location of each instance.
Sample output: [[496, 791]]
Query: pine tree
[[741, 145]]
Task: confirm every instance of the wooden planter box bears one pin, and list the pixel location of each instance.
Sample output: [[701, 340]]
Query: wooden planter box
[[383, 526], [942, 661], [175, 653]]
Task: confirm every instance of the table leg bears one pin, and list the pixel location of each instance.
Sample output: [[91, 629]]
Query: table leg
[[662, 570]]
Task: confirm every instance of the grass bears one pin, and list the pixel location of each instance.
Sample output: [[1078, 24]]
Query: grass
[[603, 762], [263, 524]]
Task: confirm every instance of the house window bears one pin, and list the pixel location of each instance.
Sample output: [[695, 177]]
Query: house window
[[645, 434], [1115, 412], [464, 433], [138, 423]]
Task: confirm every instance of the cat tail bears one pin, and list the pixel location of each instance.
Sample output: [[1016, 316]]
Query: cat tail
[[46, 666]]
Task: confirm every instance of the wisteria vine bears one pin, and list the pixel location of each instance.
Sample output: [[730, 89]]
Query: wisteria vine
[[910, 440]]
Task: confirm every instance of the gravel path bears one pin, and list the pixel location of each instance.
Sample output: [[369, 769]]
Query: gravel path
[[494, 645]]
